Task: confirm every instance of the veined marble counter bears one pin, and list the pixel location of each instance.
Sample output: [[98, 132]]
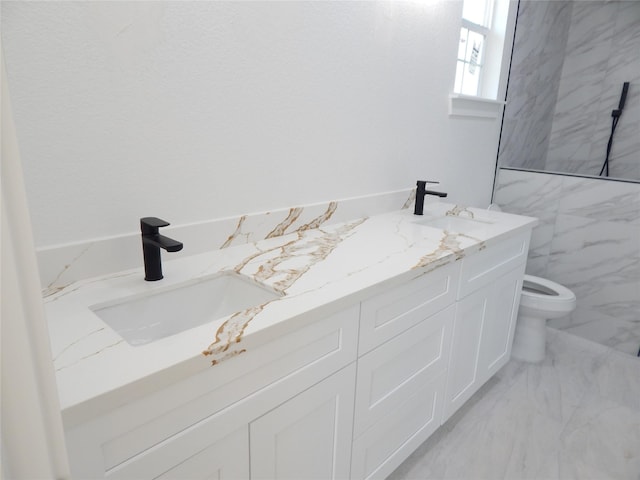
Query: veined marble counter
[[319, 271]]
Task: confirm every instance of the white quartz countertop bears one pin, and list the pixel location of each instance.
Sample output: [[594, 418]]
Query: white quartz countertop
[[318, 271]]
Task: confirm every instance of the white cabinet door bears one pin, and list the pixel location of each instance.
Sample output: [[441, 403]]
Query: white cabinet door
[[391, 373], [385, 445], [217, 447], [148, 436], [497, 338], [226, 459], [399, 396], [482, 337], [308, 436], [471, 313]]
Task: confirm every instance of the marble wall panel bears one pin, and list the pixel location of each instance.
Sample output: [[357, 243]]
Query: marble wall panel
[[540, 244], [569, 62], [537, 196], [598, 261], [589, 241], [536, 69], [601, 54], [521, 192], [600, 200]]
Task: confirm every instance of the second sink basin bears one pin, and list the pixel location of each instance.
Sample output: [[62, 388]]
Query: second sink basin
[[454, 224], [142, 319]]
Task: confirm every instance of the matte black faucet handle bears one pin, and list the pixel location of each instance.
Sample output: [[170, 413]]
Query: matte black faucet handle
[[150, 225]]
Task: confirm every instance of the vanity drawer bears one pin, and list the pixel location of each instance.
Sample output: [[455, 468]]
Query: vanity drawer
[[386, 315], [396, 370], [285, 365], [484, 267], [383, 447]]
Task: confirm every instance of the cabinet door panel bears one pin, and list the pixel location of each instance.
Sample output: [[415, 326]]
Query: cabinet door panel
[[392, 372], [227, 459], [109, 446], [225, 431], [482, 337], [498, 332], [471, 313], [308, 436], [384, 446]]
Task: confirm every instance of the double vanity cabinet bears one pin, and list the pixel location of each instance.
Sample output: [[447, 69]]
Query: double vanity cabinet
[[349, 395]]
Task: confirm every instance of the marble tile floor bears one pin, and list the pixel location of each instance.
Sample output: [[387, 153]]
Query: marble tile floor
[[574, 416]]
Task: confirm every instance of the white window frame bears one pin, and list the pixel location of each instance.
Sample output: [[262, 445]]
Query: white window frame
[[498, 34], [484, 32]]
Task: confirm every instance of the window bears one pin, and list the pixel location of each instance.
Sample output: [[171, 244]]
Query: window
[[482, 44], [475, 30], [485, 36]]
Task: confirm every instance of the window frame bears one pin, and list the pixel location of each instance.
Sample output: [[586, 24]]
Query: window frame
[[498, 34], [484, 32]]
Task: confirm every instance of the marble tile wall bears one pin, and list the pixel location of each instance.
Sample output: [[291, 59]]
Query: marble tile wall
[[601, 53], [62, 265], [569, 62], [588, 240], [536, 69]]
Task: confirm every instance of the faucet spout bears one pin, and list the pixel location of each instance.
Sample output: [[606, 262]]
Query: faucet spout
[[160, 241], [152, 242], [421, 191]]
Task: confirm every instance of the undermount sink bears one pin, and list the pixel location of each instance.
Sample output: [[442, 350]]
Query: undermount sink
[[454, 224], [144, 318]]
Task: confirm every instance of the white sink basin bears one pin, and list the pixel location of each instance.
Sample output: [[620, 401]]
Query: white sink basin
[[145, 318], [453, 224]]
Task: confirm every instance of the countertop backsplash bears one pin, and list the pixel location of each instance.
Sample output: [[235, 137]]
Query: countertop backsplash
[[64, 264]]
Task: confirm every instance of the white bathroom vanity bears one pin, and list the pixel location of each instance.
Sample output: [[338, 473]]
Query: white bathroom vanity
[[374, 333]]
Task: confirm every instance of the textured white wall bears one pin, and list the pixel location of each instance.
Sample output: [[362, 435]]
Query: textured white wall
[[197, 110]]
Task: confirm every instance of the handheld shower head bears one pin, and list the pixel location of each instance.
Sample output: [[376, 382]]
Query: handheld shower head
[[623, 99], [623, 96], [614, 123]]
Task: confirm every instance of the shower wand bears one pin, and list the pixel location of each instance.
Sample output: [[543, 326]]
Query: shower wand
[[615, 115], [623, 98]]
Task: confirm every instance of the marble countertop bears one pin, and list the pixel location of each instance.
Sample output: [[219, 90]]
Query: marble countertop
[[318, 271]]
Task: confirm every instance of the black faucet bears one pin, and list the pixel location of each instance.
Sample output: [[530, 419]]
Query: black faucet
[[421, 191], [152, 242]]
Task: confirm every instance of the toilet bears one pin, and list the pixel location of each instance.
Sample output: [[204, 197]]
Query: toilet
[[541, 300]]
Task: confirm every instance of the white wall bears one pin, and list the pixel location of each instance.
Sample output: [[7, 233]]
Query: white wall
[[197, 110]]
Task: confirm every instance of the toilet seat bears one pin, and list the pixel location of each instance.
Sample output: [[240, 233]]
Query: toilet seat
[[546, 296]]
